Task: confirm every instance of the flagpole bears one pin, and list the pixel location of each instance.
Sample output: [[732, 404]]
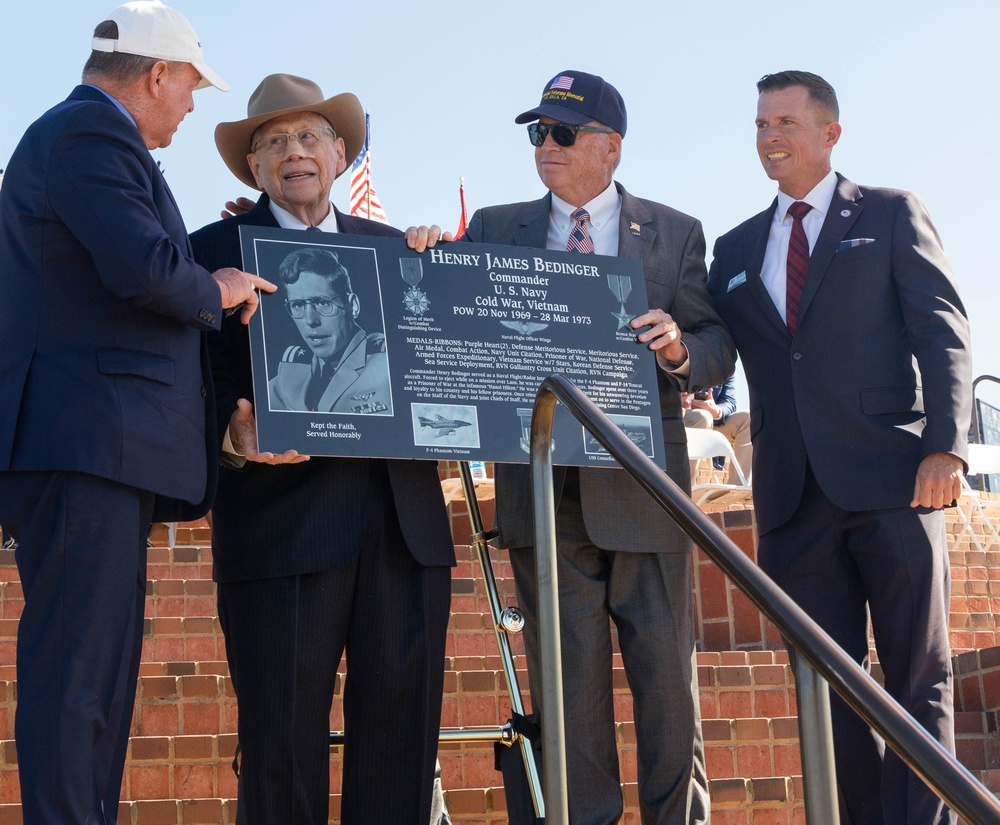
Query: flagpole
[[463, 219], [368, 170]]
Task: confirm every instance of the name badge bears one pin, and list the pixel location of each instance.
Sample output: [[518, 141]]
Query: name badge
[[737, 280]]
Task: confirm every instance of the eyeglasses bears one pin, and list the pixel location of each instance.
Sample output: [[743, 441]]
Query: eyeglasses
[[324, 306], [562, 133], [307, 139]]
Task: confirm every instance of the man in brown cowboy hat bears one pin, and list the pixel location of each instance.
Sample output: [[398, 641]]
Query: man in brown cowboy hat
[[315, 555]]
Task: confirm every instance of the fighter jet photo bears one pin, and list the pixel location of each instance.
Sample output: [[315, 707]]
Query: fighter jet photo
[[445, 426]]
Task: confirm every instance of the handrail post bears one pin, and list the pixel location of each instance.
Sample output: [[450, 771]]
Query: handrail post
[[812, 694], [479, 540], [549, 644]]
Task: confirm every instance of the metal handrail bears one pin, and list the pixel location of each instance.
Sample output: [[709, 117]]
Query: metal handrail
[[975, 409], [814, 648]]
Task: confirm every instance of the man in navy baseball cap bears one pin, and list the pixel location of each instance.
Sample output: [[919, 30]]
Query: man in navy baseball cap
[[578, 98], [620, 558]]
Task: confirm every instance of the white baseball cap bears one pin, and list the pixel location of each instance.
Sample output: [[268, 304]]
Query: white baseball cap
[[150, 29]]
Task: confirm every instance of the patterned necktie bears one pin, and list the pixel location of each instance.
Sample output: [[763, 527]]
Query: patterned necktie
[[797, 264], [579, 238]]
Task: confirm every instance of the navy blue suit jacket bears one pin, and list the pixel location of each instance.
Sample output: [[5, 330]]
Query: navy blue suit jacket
[[290, 519], [878, 373], [103, 311], [724, 395]]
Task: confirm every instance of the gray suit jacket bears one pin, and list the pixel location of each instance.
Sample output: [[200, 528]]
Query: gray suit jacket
[[671, 245], [878, 374]]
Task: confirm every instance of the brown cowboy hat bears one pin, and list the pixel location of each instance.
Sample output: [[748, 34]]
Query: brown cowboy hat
[[285, 94]]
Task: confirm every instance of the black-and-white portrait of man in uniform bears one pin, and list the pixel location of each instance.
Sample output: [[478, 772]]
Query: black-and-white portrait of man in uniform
[[340, 368]]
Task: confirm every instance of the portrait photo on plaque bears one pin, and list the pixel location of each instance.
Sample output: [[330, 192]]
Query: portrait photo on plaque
[[324, 329]]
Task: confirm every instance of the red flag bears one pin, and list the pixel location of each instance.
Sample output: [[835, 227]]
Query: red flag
[[463, 220]]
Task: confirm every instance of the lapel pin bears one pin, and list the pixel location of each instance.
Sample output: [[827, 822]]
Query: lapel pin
[[845, 213], [634, 227]]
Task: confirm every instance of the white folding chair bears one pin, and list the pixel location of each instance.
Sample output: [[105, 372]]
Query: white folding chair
[[705, 445], [983, 458], [452, 490]]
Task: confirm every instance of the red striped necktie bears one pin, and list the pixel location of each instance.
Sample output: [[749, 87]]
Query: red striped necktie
[[579, 238], [797, 264]]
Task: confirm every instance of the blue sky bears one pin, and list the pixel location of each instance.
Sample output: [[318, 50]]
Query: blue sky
[[443, 81]]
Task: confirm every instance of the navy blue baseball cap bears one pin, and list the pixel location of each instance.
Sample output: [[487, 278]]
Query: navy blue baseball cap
[[577, 98]]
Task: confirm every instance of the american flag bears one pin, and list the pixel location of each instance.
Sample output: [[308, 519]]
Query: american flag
[[364, 201], [463, 220], [562, 82]]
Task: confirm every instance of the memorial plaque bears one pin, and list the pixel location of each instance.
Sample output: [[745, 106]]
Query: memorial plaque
[[369, 349]]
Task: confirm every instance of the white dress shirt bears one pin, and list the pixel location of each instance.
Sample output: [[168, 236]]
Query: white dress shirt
[[605, 211], [772, 271], [286, 220]]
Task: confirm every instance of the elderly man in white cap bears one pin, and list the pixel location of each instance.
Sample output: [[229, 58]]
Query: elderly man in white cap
[[106, 423], [315, 556]]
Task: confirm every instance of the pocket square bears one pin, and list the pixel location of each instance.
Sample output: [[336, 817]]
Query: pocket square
[[736, 281], [853, 242]]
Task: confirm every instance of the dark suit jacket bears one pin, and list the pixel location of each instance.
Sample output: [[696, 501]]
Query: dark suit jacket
[[878, 374], [103, 311], [301, 518], [671, 246]]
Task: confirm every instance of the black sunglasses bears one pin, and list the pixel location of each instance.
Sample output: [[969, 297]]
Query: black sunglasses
[[562, 133]]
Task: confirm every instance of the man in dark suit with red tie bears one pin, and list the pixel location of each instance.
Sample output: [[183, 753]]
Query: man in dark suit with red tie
[[316, 555], [107, 418], [856, 349]]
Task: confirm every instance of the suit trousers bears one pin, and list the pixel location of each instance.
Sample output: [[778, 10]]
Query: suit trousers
[[81, 557], [841, 566], [648, 596], [284, 641]]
